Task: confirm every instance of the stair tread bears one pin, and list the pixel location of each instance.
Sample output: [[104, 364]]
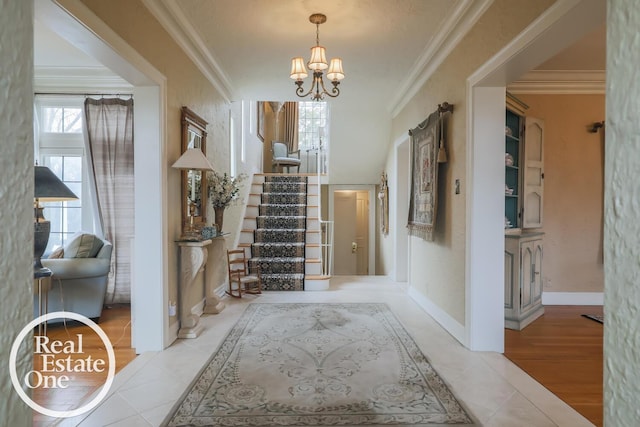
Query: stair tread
[[316, 277]]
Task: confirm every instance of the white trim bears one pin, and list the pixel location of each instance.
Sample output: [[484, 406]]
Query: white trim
[[484, 262], [174, 21], [572, 298], [76, 23], [559, 26], [555, 29], [560, 82], [450, 324], [453, 29], [400, 197], [94, 37], [79, 79], [173, 329], [371, 189]]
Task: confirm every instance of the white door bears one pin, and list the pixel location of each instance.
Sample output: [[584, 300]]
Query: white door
[[351, 232]]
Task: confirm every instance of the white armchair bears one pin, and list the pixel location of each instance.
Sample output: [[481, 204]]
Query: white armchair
[[79, 284], [283, 158]]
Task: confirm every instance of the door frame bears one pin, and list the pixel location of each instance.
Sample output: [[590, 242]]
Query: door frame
[[565, 22], [399, 198], [371, 190], [77, 24]]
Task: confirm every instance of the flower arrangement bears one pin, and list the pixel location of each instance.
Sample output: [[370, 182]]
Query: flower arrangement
[[223, 189]]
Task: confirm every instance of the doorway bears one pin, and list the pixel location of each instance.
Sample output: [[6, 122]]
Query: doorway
[[352, 209], [149, 323], [561, 25]]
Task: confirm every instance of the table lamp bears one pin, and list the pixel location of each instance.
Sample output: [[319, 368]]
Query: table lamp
[[47, 188], [192, 159]]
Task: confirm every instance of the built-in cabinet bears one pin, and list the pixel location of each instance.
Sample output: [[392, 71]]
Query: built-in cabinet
[[523, 279], [524, 171], [524, 195]]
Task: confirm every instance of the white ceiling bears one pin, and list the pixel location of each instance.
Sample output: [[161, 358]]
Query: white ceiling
[[386, 46]]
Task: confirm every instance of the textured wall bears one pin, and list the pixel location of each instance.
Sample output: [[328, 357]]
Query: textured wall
[[16, 196], [622, 225], [437, 268], [186, 86], [573, 187]]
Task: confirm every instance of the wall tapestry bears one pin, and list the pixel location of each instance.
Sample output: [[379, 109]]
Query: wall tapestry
[[427, 151]]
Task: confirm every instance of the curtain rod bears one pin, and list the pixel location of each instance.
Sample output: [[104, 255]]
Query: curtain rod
[[82, 94], [444, 107]]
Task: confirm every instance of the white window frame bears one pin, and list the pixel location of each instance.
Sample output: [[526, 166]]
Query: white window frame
[[67, 144]]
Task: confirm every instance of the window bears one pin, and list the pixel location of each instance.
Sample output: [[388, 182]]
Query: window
[[61, 119], [312, 124], [65, 217], [60, 147]]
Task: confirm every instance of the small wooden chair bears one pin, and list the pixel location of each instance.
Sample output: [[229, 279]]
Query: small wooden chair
[[239, 274]]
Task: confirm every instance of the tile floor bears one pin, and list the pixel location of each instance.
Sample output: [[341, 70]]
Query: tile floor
[[495, 391]]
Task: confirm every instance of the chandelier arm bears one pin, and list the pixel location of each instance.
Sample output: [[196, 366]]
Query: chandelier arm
[[334, 92], [300, 89]]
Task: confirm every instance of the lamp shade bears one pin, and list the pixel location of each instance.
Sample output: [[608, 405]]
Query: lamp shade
[[298, 71], [335, 72], [194, 159], [49, 188], [318, 61]]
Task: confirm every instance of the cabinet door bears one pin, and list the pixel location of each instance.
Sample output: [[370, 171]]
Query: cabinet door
[[526, 276], [537, 271], [533, 174]]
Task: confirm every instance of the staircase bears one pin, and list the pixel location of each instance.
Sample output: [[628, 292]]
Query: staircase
[[282, 229]]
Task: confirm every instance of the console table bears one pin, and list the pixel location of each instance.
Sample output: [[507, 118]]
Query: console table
[[193, 260]]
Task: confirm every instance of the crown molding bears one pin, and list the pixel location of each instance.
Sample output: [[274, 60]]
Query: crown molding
[[173, 20], [83, 79], [560, 82], [451, 31]]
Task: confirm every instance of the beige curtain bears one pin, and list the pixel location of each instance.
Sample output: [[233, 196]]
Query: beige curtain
[[291, 125], [109, 140]]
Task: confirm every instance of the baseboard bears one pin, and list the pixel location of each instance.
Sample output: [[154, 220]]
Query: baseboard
[[572, 298], [173, 332], [444, 319], [198, 309]]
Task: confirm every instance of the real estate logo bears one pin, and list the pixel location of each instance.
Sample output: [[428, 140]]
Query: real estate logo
[[59, 361]]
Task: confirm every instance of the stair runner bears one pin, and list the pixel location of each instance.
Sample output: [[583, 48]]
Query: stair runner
[[279, 239]]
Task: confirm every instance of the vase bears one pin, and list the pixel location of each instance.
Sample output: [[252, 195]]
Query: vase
[[219, 216]]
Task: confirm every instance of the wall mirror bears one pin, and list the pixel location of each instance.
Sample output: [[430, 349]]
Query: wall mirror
[[194, 182]]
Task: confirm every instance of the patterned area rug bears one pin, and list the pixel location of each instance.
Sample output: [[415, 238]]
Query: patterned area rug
[[318, 365], [279, 238]]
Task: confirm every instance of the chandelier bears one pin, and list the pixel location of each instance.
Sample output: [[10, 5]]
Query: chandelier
[[317, 64]]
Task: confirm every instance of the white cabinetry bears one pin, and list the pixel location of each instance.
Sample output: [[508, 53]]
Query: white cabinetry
[[523, 279]]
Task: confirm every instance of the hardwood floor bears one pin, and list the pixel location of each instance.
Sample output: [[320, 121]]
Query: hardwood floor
[[115, 322], [563, 351]]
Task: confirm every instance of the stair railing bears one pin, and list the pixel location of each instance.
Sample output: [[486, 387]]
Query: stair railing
[[326, 247], [326, 227]]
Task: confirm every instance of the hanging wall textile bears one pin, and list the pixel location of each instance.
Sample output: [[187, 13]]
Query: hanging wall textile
[[426, 139]]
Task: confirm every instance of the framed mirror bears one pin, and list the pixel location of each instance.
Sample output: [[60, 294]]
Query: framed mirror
[[194, 182]]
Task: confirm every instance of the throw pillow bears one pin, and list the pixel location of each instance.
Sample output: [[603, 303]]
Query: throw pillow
[[83, 245], [58, 253]]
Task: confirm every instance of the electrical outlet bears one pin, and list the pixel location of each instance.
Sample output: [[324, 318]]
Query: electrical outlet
[[172, 308]]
